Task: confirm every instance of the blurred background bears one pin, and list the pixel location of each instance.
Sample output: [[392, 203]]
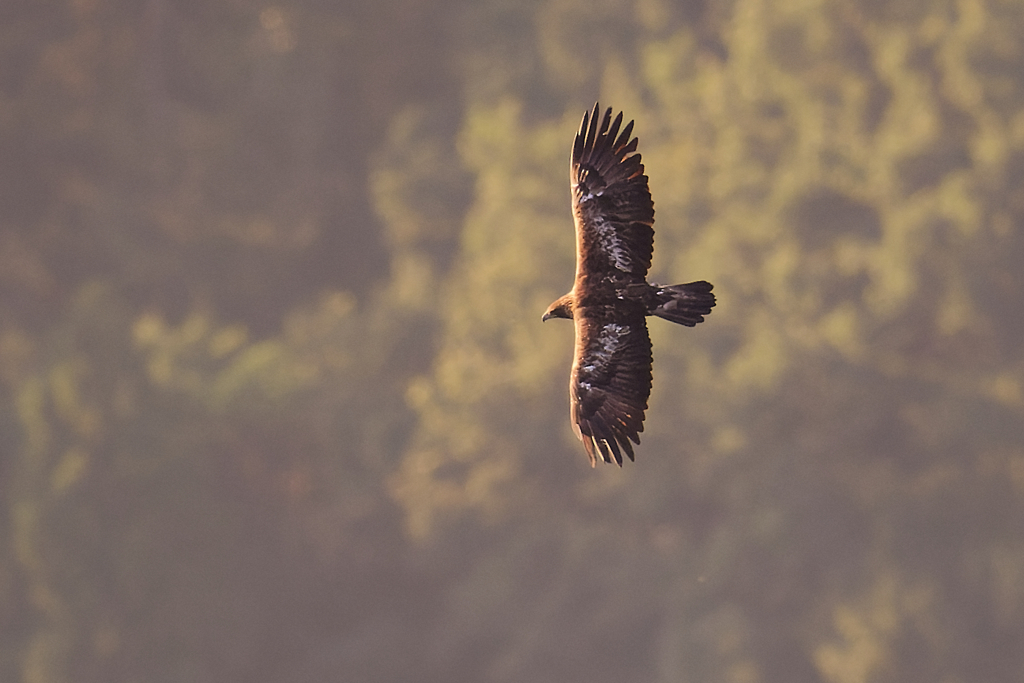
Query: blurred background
[[277, 406]]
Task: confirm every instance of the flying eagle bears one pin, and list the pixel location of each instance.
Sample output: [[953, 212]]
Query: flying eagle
[[611, 368]]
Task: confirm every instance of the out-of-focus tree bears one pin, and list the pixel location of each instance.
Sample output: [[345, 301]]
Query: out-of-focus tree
[[840, 443], [281, 407], [201, 392]]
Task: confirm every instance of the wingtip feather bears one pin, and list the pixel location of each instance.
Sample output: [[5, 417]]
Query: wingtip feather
[[592, 130], [624, 136], [613, 131]]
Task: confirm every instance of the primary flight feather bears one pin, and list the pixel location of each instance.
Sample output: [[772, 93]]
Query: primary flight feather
[[610, 299]]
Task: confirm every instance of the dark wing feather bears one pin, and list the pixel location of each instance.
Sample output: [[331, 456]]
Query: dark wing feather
[[610, 384], [611, 202]]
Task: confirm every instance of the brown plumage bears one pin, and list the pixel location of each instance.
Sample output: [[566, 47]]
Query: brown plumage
[[610, 299]]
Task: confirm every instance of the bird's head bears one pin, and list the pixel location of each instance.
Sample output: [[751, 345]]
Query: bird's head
[[561, 308]]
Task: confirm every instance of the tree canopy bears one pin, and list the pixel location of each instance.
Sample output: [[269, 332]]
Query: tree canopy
[[279, 406]]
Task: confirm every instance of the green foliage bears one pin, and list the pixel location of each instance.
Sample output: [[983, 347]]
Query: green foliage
[[279, 402], [837, 175]]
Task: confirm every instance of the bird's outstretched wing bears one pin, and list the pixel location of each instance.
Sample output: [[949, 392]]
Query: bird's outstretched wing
[[610, 384], [611, 202]]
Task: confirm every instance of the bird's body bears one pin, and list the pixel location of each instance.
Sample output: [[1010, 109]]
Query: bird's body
[[610, 380]]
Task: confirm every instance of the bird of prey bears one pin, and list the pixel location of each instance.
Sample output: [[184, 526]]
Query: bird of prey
[[610, 380]]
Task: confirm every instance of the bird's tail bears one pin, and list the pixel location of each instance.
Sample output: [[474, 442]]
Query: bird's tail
[[684, 304]]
